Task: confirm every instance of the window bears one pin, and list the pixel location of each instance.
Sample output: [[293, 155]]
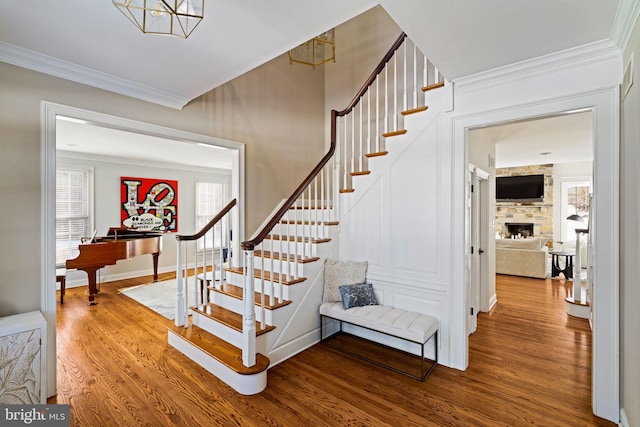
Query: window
[[73, 220], [575, 200], [211, 197]]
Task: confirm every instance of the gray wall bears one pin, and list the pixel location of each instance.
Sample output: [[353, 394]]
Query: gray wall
[[630, 241], [277, 110]]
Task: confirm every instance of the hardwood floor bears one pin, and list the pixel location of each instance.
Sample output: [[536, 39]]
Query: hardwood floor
[[529, 365]]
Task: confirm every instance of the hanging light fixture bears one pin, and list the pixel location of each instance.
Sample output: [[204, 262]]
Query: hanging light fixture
[[165, 17], [316, 51]]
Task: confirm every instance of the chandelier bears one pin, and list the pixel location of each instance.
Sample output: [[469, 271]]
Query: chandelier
[[165, 17], [316, 51]]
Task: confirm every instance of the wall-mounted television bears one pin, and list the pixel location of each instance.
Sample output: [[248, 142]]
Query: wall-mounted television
[[520, 188]]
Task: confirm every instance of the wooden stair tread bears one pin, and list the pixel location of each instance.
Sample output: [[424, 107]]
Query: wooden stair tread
[[227, 317], [222, 351], [257, 273], [237, 292], [291, 258], [414, 110], [298, 239], [347, 190], [394, 133], [377, 154], [433, 86], [358, 173], [300, 222], [570, 300]]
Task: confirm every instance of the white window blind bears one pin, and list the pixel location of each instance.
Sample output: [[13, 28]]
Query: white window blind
[[211, 197], [72, 212]]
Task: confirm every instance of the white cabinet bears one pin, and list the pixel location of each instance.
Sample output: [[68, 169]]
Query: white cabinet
[[23, 359]]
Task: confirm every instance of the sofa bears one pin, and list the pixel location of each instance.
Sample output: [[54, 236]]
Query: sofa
[[522, 257]]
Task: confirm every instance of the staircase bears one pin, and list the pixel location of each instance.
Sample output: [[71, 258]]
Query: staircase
[[262, 309]]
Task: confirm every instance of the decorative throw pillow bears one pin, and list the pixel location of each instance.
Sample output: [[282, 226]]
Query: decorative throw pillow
[[338, 273], [358, 295]]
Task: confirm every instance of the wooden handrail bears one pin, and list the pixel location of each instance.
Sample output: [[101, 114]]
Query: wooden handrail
[[249, 245], [372, 78], [210, 224]]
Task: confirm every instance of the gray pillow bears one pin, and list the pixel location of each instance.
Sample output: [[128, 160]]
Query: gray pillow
[[358, 295], [337, 273]]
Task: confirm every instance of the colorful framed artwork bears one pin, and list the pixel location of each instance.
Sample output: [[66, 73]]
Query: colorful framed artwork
[[149, 204]]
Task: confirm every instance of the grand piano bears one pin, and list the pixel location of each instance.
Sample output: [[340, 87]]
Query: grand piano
[[119, 243]]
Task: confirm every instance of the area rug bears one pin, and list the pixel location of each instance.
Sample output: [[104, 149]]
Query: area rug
[[159, 296]]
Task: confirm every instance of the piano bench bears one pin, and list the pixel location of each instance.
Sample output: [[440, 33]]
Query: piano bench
[[61, 277]]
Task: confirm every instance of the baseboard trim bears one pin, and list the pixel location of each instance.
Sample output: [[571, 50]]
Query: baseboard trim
[[624, 421]]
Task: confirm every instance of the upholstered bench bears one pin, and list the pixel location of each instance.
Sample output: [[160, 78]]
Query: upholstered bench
[[406, 325]]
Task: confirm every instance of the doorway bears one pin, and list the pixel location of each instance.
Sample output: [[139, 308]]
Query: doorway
[[50, 114], [604, 227]]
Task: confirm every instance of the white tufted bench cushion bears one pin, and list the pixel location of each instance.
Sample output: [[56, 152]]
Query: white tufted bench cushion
[[400, 323]]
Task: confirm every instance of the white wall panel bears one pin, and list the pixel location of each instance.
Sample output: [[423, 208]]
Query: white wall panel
[[357, 239], [413, 190]]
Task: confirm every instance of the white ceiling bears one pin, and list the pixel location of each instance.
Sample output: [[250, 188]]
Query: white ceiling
[[551, 140], [81, 138], [93, 43]]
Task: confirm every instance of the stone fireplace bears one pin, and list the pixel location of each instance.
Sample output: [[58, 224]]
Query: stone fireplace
[[538, 216], [524, 229]]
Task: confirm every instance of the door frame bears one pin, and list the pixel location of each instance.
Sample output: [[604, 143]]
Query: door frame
[[604, 103], [48, 113], [477, 266]]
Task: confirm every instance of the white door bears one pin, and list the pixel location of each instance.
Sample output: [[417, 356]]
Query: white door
[[476, 179]]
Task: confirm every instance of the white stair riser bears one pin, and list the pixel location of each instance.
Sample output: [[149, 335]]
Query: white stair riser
[[314, 231], [287, 267], [224, 332], [243, 384], [238, 280], [236, 305], [310, 215]]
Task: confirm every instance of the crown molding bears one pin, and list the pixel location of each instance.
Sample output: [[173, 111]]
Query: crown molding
[[626, 16], [588, 53], [31, 60]]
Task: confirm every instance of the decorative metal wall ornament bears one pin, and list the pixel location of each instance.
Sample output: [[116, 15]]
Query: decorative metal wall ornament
[[176, 18], [316, 51]]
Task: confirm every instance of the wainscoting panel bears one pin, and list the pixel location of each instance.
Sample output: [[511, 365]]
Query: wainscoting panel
[[398, 219]]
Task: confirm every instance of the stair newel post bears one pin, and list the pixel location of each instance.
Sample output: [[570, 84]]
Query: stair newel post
[[179, 320], [249, 316]]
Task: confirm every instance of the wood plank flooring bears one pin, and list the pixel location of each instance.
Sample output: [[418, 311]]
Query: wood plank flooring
[[529, 365]]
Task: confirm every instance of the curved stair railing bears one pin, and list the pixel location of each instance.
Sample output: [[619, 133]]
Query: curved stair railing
[[396, 88], [217, 232]]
